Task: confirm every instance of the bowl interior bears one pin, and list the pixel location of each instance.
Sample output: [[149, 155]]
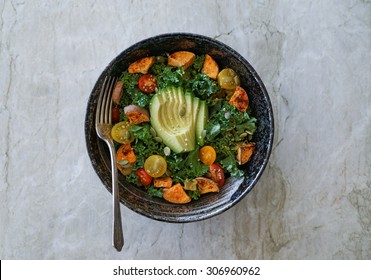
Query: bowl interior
[[235, 189]]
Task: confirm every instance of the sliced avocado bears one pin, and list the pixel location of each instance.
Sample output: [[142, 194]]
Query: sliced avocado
[[172, 116], [195, 105], [196, 108], [201, 121]]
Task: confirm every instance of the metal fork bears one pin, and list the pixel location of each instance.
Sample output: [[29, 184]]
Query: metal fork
[[103, 126]]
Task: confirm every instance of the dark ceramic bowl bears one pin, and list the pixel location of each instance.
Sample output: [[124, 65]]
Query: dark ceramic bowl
[[235, 189]]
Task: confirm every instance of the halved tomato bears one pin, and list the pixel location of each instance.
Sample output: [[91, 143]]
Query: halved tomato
[[144, 178], [115, 114], [207, 155], [155, 166], [147, 83], [217, 174], [121, 134], [228, 79]]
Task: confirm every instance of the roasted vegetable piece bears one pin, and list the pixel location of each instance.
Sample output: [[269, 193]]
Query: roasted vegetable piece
[[142, 65], [244, 152], [176, 194], [240, 99], [206, 185], [136, 114], [210, 67], [125, 153], [125, 157], [182, 59], [117, 92], [165, 182]]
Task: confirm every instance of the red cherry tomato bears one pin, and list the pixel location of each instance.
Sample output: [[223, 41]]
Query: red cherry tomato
[[115, 115], [144, 178], [147, 83], [217, 174]]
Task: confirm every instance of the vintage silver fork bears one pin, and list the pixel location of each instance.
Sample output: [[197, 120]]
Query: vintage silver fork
[[103, 126]]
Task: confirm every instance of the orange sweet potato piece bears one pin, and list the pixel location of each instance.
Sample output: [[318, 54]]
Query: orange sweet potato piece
[[165, 182], [176, 194], [182, 59], [136, 114], [142, 65], [240, 99], [210, 67], [125, 152], [244, 152], [206, 185]]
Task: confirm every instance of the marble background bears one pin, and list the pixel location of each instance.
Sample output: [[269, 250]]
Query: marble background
[[313, 200]]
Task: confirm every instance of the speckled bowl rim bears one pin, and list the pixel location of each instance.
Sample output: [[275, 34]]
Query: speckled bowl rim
[[210, 205]]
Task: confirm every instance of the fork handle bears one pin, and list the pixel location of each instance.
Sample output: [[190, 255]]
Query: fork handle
[[118, 237]]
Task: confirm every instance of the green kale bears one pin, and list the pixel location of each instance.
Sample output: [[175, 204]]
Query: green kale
[[195, 195], [153, 191], [170, 76], [191, 167], [203, 86], [226, 127], [198, 63], [132, 94], [158, 68], [175, 163], [230, 165], [143, 147], [141, 99], [130, 80]]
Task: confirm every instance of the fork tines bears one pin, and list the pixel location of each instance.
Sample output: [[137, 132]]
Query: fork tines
[[105, 100]]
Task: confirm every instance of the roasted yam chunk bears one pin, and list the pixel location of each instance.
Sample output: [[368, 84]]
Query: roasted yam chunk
[[136, 114], [165, 182], [142, 65], [125, 157], [182, 59], [206, 185], [176, 194], [244, 152], [125, 152], [240, 99], [210, 67]]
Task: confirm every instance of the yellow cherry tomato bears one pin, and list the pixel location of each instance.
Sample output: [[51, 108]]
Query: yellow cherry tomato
[[207, 155], [121, 134], [155, 166], [228, 79]]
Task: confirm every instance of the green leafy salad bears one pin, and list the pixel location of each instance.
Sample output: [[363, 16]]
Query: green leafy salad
[[181, 125]]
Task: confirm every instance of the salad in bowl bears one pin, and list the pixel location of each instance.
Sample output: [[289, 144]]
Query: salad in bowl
[[181, 125], [193, 127]]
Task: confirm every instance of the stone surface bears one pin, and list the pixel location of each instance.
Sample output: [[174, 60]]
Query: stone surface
[[313, 200]]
